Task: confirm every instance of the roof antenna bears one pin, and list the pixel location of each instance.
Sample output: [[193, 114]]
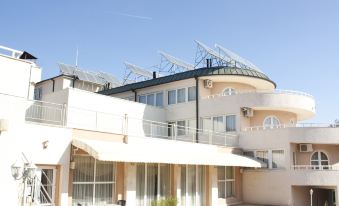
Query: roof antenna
[[76, 57]]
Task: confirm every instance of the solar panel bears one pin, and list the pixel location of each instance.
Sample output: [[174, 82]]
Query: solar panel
[[66, 69], [138, 70], [110, 78], [211, 52], [235, 57], [177, 61]]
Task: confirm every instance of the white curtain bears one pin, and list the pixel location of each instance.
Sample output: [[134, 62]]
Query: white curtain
[[140, 184], [172, 95], [191, 93], [86, 181], [230, 123], [152, 183], [278, 158]]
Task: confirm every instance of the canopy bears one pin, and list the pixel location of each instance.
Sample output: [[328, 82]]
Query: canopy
[[169, 152]]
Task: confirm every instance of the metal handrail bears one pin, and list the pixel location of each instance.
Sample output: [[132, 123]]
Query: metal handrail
[[276, 91], [298, 125], [315, 167]]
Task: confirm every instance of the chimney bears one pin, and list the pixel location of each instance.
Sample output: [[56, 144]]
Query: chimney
[[207, 63], [154, 75]]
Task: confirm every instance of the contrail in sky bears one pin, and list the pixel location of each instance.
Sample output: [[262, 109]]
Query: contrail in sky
[[133, 16]]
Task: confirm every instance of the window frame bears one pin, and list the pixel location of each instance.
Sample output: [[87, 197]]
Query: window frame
[[231, 91], [319, 161], [188, 94], [94, 182], [225, 181], [271, 118]]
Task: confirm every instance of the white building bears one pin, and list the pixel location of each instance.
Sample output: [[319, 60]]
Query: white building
[[216, 135]]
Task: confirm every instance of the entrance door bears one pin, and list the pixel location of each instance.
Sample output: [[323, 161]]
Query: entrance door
[[47, 185]]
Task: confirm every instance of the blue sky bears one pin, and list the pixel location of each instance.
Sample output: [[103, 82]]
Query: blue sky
[[296, 43]]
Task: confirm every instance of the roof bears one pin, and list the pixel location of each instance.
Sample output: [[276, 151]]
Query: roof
[[205, 71]]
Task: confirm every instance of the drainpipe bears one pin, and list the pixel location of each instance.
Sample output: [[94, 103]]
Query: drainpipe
[[135, 95], [197, 108], [74, 78], [53, 81]]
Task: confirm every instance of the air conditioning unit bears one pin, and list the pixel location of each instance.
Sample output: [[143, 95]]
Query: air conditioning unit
[[3, 125], [305, 148], [248, 112], [208, 83]]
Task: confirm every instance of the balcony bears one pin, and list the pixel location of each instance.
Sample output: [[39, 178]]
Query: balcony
[[78, 118], [300, 103]]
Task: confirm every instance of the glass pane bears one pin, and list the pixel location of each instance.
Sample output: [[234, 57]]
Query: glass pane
[[315, 156], [229, 173], [142, 99], [230, 123], [172, 95], [181, 127], [267, 122], [159, 99], [323, 156], [278, 158], [218, 125], [152, 182], [275, 121], [221, 189], [165, 184], [221, 173], [82, 194], [140, 184], [191, 184], [229, 188], [103, 194], [181, 95], [191, 93], [201, 186], [183, 185], [150, 99], [84, 169], [105, 171]]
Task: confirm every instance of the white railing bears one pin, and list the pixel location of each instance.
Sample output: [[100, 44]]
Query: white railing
[[45, 112], [277, 91], [315, 167], [10, 52], [298, 125]]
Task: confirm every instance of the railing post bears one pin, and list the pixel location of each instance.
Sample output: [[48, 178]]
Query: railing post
[[210, 137], [175, 131], [125, 128]]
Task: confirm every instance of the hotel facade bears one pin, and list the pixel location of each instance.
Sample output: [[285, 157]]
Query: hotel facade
[[215, 135]]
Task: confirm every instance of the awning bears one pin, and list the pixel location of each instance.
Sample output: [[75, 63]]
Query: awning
[[170, 152]]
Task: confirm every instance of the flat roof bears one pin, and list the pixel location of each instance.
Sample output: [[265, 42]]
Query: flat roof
[[201, 72]]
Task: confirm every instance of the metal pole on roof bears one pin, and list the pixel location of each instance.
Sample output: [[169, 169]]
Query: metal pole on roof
[[76, 57]]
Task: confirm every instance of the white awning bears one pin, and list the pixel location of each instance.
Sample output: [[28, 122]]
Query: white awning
[[170, 152]]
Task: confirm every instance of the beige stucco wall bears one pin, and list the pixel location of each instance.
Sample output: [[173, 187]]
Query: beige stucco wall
[[218, 87], [284, 117], [332, 151]]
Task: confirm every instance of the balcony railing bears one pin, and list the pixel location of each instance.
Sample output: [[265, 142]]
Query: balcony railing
[[277, 91], [315, 167], [298, 125], [55, 114]]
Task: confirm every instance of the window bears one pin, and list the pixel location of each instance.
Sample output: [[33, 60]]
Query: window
[[271, 122], [150, 99], [152, 183], [206, 123], [181, 95], [262, 156], [226, 182], [224, 123], [218, 124], [230, 123], [159, 100], [172, 97], [319, 160], [191, 93], [37, 93], [278, 159], [142, 99], [181, 127], [192, 185], [93, 181], [228, 91]]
